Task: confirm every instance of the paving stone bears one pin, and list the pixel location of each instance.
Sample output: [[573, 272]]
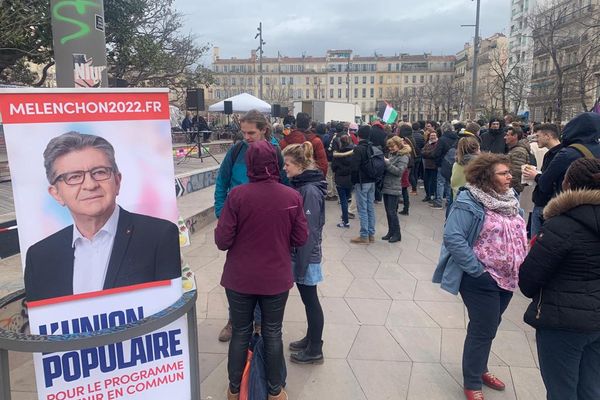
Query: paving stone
[[408, 314], [399, 289], [333, 380], [382, 380], [366, 289], [370, 311], [421, 344], [446, 315], [432, 381], [376, 343], [528, 383], [513, 348]]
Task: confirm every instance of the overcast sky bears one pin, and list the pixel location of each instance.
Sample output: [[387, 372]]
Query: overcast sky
[[313, 26]]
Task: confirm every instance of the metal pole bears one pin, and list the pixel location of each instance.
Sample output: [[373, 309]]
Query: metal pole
[[475, 55], [193, 349], [260, 60], [4, 375]]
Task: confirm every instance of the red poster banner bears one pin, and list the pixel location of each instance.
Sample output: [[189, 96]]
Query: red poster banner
[[20, 108]]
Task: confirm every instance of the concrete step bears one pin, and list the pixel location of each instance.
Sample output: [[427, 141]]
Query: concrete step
[[197, 209]]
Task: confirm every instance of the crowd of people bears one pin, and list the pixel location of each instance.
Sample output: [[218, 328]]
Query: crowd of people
[[270, 203]]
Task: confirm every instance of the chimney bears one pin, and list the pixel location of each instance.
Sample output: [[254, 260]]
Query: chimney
[[253, 54], [215, 54]]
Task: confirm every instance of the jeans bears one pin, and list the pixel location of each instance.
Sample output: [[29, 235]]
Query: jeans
[[314, 312], [485, 302], [430, 183], [405, 199], [391, 212], [365, 201], [241, 307], [344, 194], [570, 364], [413, 177], [443, 187], [537, 219]]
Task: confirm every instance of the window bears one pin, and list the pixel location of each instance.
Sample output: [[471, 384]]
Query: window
[[356, 80], [331, 93], [314, 93], [397, 67], [389, 80], [422, 79], [372, 92], [380, 93], [364, 93], [339, 93], [331, 80], [250, 81], [291, 80], [364, 80], [339, 80], [372, 79], [267, 81], [406, 91], [414, 79], [381, 78], [347, 93], [283, 80], [389, 67], [307, 81], [430, 78], [307, 93], [242, 81], [355, 93], [405, 78], [315, 81]]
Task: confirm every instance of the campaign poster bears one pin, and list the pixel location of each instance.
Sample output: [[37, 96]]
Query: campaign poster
[[92, 175]]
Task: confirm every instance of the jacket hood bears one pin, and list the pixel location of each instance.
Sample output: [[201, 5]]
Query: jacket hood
[[467, 158], [581, 205], [310, 176], [450, 134], [523, 143], [261, 162], [584, 128], [496, 132], [406, 150]]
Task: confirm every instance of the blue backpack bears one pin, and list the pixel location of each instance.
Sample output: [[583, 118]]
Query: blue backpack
[[257, 384]]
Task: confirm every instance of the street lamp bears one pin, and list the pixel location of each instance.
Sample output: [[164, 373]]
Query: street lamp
[[475, 54], [260, 57]]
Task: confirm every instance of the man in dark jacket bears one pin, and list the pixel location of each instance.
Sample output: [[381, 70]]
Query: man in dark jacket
[[580, 135], [364, 188], [419, 144], [518, 152], [445, 143], [493, 139], [547, 137]]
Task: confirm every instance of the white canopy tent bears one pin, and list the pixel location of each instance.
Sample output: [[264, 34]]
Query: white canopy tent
[[242, 103]]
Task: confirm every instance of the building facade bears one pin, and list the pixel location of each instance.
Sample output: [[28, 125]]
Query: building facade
[[566, 53], [338, 76]]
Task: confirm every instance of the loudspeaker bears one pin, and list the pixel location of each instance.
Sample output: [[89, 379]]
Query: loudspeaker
[[228, 107], [194, 99], [276, 110], [284, 112]]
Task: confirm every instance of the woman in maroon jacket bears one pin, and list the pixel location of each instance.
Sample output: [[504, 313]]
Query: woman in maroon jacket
[[260, 222]]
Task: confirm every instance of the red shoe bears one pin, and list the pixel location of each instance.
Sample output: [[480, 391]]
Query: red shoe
[[474, 394], [491, 381]]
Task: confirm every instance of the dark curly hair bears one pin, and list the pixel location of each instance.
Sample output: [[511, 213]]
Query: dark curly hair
[[480, 171], [584, 174]]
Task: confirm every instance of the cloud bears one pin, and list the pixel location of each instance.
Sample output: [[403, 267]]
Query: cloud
[[387, 27]]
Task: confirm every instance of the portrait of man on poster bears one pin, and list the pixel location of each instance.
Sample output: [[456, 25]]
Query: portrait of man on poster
[[106, 246]]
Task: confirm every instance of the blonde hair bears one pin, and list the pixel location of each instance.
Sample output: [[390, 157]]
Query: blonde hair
[[395, 140], [301, 155], [466, 145]]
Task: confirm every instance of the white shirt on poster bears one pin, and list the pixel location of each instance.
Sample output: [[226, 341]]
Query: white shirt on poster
[[92, 256]]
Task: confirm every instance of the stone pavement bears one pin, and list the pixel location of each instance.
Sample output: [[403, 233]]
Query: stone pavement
[[389, 332]]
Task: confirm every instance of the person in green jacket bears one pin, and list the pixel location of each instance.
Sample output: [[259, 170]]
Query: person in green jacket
[[467, 149]]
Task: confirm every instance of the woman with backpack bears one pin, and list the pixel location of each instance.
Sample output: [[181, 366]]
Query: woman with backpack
[[342, 168], [408, 151], [395, 168], [306, 260]]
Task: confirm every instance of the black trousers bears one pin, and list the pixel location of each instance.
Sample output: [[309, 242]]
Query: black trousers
[[390, 203], [241, 308], [405, 198], [485, 302], [314, 312]]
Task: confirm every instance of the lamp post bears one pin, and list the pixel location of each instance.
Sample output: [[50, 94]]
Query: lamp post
[[260, 59], [475, 55]]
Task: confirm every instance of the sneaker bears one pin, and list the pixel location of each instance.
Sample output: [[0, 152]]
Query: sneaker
[[490, 380], [371, 239], [426, 199], [474, 394], [404, 212], [225, 334], [437, 205], [343, 225], [351, 215], [413, 192], [360, 240]]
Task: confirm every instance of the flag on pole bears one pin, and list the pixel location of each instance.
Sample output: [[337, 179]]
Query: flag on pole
[[389, 114]]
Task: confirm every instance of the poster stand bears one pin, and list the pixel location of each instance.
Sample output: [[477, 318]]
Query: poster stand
[[21, 342]]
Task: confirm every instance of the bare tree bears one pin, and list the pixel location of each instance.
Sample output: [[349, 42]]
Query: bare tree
[[502, 74], [560, 33]]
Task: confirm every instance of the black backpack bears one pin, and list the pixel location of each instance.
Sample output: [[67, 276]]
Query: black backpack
[[448, 162], [374, 166]]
